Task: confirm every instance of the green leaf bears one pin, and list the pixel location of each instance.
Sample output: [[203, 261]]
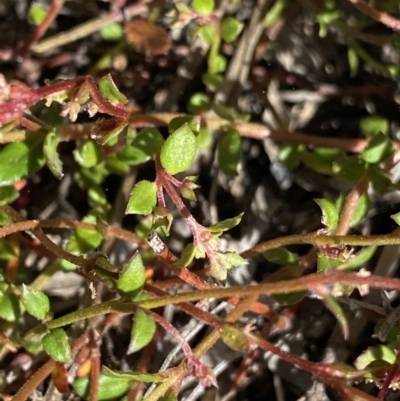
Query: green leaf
[[337, 311], [9, 307], [230, 29], [36, 302], [274, 13], [112, 32], [354, 61], [376, 353], [143, 331], [56, 344], [51, 155], [143, 198], [373, 125], [187, 256], [109, 387], [330, 214], [205, 32], [359, 212], [396, 218], [229, 113], [212, 81], [359, 259], [134, 376], [320, 159], [204, 139], [37, 13], [379, 149], [289, 299], [110, 91], [6, 250], [176, 123], [178, 151], [149, 141], [229, 152], [324, 263], [350, 168], [289, 155], [83, 241], [234, 338], [203, 7], [132, 278], [217, 64], [198, 103], [281, 256], [8, 194], [226, 225], [88, 153], [20, 160]]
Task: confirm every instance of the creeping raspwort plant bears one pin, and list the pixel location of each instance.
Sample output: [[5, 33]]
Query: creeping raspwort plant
[[84, 134]]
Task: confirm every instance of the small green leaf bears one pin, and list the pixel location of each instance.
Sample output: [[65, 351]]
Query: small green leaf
[[217, 64], [281, 256], [396, 218], [186, 257], [56, 344], [350, 168], [226, 225], [229, 152], [132, 278], [83, 241], [229, 113], [9, 307], [37, 13], [143, 331], [274, 13], [230, 29], [143, 198], [149, 141], [110, 91], [289, 155], [354, 61], [379, 149], [8, 194], [212, 81], [203, 7], [206, 33], [179, 150], [204, 139], [109, 387], [330, 214], [360, 211], [324, 263], [198, 103], [112, 32], [289, 299], [337, 311], [234, 338], [373, 125], [376, 353], [36, 302], [50, 153], [20, 160], [88, 153], [134, 376], [176, 123], [359, 259], [6, 251]]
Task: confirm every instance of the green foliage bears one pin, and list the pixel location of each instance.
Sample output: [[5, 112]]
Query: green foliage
[[20, 160], [229, 152], [203, 7], [57, 346], [230, 29], [109, 387], [36, 302], [143, 330], [234, 338], [112, 32], [179, 150], [37, 13], [281, 256], [50, 153], [132, 277], [143, 198], [9, 305], [330, 215]]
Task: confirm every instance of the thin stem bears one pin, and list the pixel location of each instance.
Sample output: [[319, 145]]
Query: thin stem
[[26, 390]]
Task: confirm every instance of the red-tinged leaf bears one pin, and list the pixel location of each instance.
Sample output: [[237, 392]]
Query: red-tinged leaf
[[60, 378]]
